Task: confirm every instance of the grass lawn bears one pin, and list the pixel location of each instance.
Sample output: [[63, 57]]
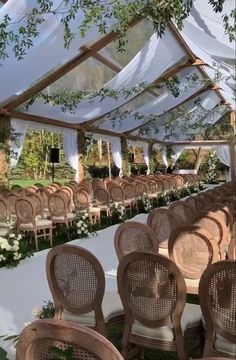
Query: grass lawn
[[30, 182]]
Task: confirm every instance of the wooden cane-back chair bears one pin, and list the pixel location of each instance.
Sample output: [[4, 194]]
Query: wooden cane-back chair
[[217, 228], [37, 202], [222, 211], [77, 283], [59, 209], [102, 198], [133, 236], [11, 199], [183, 211], [192, 249], [163, 222], [38, 340], [4, 216], [153, 293], [28, 223], [179, 181], [217, 295]]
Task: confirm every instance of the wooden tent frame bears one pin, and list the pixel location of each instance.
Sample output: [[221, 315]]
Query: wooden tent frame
[[92, 50]]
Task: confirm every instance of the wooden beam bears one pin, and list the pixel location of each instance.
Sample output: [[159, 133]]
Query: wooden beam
[[199, 92], [64, 69], [193, 57], [201, 142], [232, 159]]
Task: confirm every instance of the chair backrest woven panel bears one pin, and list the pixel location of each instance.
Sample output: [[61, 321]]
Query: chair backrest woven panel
[[151, 186], [42, 349], [182, 210], [25, 211], [133, 236], [37, 340], [192, 249], [11, 199], [102, 196], [150, 285], [57, 204], [76, 278], [163, 222], [117, 193], [37, 203], [81, 200], [129, 190], [4, 210], [217, 292], [159, 185]]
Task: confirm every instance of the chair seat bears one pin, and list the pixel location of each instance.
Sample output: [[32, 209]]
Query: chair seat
[[40, 224], [163, 251], [128, 201], [104, 207], [111, 306], [192, 285], [191, 317], [94, 210], [224, 345], [70, 216], [4, 228]]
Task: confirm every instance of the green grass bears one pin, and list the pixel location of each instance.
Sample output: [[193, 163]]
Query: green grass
[[30, 182]]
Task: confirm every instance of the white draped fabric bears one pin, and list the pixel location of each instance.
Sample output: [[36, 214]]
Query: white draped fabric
[[116, 153], [177, 151], [149, 64], [223, 154], [146, 156], [70, 142], [48, 52], [19, 130], [160, 105]]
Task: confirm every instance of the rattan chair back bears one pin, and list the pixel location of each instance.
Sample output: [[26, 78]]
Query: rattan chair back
[[213, 224], [217, 295], [76, 280], [102, 196], [152, 289], [163, 222], [222, 211], [183, 211], [192, 249], [117, 193], [57, 204], [39, 338], [25, 211], [4, 209], [129, 190], [159, 185], [87, 184], [37, 202], [133, 236], [81, 200], [11, 199]]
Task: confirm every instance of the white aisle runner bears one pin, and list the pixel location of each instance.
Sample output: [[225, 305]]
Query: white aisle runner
[[25, 287]]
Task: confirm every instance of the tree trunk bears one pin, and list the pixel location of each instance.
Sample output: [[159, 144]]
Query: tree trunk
[[198, 159], [5, 137]]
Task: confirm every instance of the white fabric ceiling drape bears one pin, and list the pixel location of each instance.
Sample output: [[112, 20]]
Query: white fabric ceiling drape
[[177, 151], [145, 147], [70, 143], [223, 154], [147, 66]]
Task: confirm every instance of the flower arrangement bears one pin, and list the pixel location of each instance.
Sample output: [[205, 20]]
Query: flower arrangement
[[82, 224], [163, 199], [144, 204], [117, 213], [194, 188], [174, 195], [212, 169], [46, 311], [13, 247], [185, 191]]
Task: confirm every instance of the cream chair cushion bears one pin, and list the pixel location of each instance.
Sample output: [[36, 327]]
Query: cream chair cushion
[[70, 216], [39, 224], [163, 251], [191, 317], [111, 306]]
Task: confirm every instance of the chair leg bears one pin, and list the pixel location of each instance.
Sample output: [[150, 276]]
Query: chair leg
[[36, 240]]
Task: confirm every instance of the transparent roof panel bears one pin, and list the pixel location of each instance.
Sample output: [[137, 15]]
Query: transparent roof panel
[[138, 36], [90, 75]]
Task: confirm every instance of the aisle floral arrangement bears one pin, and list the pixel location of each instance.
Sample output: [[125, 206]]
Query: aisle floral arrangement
[[13, 247], [117, 213], [144, 204], [164, 199]]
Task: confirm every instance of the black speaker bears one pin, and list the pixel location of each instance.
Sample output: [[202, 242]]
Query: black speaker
[[54, 155], [131, 157]]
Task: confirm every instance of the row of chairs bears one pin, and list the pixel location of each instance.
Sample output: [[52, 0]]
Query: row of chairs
[[153, 304]]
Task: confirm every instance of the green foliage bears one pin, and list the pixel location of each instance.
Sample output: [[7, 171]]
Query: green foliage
[[118, 214], [163, 199], [66, 354], [212, 169], [144, 204], [97, 13]]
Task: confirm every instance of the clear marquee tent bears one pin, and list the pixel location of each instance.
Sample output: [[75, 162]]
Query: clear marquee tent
[[199, 51]]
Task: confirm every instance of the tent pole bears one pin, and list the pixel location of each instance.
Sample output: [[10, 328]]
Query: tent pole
[[109, 159], [81, 153], [232, 146]]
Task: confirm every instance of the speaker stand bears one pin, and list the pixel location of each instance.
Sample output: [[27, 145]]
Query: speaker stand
[[53, 172]]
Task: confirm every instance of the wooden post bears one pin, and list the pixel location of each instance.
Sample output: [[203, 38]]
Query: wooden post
[[125, 157], [232, 160], [5, 137], [109, 159], [81, 153]]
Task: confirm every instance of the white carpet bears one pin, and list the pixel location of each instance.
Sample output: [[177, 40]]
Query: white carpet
[[25, 287]]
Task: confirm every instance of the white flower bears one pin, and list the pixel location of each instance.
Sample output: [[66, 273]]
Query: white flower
[[27, 323], [2, 257], [12, 235], [16, 256], [16, 242], [19, 237], [15, 248], [79, 232], [37, 311]]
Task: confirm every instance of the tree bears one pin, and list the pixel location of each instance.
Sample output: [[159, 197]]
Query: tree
[[97, 12]]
